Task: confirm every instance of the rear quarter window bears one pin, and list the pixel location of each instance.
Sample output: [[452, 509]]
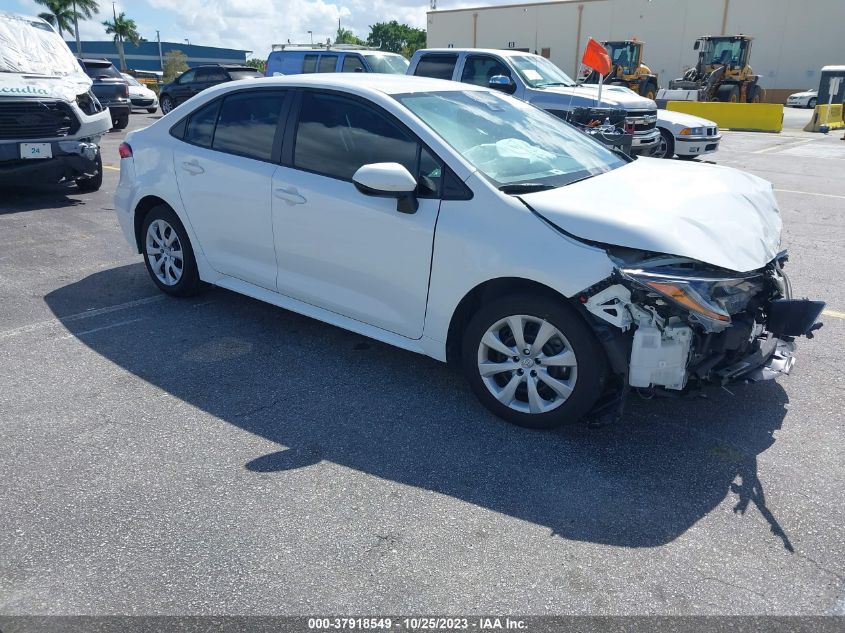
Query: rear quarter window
[[436, 66]]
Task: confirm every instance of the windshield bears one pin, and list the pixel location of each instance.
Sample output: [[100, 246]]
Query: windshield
[[510, 141], [33, 47], [387, 63], [726, 52], [244, 74], [101, 70], [538, 72], [131, 80], [623, 55]]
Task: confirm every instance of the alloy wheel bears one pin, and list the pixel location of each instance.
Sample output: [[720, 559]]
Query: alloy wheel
[[164, 252], [527, 364], [660, 150]]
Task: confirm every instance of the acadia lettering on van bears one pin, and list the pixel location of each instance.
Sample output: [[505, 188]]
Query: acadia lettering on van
[[23, 90]]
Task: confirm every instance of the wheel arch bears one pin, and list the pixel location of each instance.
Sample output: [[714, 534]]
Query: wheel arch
[[484, 293], [143, 207]]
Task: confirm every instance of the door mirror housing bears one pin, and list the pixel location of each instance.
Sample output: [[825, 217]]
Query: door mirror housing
[[388, 180], [503, 83], [697, 45]]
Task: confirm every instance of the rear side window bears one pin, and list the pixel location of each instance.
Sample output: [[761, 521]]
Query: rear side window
[[327, 64], [244, 73], [352, 64], [335, 136], [200, 130], [309, 65], [247, 124], [436, 66]]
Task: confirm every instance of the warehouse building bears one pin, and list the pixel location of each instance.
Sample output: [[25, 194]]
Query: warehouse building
[[792, 40], [146, 56]]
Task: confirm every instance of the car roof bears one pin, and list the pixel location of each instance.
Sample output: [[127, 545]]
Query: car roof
[[361, 83], [502, 52]]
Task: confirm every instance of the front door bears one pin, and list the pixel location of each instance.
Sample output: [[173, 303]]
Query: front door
[[224, 168], [340, 249]]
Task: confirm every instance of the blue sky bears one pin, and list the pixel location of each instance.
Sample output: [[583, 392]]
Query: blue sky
[[253, 24]]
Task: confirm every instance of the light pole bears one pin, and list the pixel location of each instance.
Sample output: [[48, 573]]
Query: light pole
[[160, 57], [311, 33]]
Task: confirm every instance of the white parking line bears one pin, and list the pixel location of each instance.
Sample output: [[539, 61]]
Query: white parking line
[[811, 193], [32, 327], [789, 145], [105, 327]]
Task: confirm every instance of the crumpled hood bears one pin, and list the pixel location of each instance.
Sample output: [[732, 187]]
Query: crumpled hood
[[717, 215], [16, 86]]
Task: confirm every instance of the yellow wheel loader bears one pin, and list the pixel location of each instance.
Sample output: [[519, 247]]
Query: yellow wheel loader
[[721, 74], [628, 68]]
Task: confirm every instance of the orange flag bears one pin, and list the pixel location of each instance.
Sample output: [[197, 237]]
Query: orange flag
[[596, 57]]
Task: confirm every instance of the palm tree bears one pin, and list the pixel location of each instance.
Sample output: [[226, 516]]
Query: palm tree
[[123, 28], [59, 14]]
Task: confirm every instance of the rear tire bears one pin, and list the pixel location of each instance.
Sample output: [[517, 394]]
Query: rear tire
[[88, 184], [152, 110], [168, 254], [559, 389], [166, 103], [121, 122], [650, 91]]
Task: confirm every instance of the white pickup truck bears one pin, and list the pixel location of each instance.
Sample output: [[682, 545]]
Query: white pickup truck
[[538, 81], [50, 121]]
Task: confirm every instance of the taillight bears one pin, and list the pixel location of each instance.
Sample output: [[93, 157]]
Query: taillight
[[125, 150], [125, 90]]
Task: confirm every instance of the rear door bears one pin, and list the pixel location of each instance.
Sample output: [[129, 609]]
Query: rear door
[[328, 63], [224, 167]]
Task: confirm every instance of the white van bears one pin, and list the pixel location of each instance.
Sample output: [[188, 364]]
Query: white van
[[50, 121]]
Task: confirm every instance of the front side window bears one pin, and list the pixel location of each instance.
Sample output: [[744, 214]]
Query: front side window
[[436, 66], [539, 72], [336, 136], [510, 141], [188, 77], [212, 75], [309, 64], [478, 69], [352, 64], [327, 64], [247, 124], [200, 130]]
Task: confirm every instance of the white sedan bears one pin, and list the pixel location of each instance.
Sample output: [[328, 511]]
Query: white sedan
[[806, 99], [461, 223], [685, 136], [140, 96]]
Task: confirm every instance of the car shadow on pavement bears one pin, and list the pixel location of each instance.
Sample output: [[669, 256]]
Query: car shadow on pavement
[[42, 198], [322, 393]]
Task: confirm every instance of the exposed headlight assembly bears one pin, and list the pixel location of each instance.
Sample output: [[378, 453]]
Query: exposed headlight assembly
[[712, 300], [693, 131]]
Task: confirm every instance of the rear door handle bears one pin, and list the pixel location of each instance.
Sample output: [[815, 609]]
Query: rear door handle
[[289, 195], [193, 167]]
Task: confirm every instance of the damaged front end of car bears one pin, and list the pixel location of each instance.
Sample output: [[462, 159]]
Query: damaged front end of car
[[669, 324]]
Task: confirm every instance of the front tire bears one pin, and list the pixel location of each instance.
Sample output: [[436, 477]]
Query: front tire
[[812, 103], [152, 110], [89, 184], [532, 361], [121, 122], [168, 254], [665, 147]]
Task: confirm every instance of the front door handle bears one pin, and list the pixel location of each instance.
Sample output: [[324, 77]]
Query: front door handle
[[193, 168], [289, 195]]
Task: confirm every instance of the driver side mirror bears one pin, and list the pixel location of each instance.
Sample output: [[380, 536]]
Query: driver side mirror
[[503, 83], [697, 45], [388, 180]]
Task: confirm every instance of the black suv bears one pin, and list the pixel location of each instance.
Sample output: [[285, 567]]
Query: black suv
[[198, 79], [110, 88]]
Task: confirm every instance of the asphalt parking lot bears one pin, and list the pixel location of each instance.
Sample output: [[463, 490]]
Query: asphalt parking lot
[[219, 455]]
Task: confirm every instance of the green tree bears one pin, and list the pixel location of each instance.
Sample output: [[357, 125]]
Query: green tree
[[175, 63], [259, 64], [59, 14], [64, 13], [345, 36], [123, 29], [396, 38]]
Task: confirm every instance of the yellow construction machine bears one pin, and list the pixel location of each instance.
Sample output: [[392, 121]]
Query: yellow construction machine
[[721, 74], [628, 68]]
